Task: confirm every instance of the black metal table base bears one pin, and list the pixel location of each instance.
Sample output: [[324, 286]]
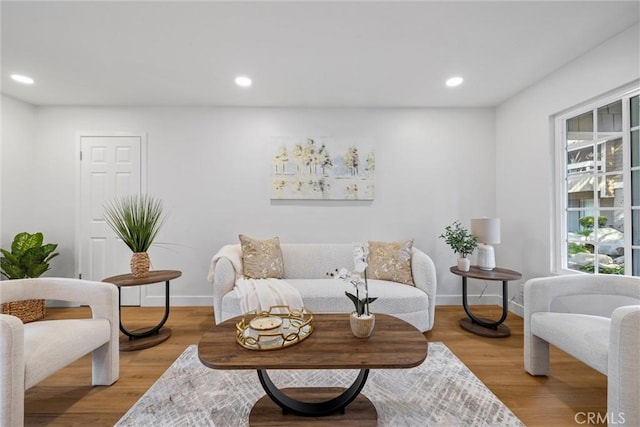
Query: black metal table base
[[315, 409], [152, 331], [475, 324]]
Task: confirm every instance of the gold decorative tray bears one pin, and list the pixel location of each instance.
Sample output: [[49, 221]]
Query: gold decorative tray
[[277, 328]]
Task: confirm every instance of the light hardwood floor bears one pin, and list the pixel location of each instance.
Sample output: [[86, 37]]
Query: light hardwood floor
[[68, 399]]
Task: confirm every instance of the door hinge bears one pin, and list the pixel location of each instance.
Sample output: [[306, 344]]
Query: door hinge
[[80, 155]]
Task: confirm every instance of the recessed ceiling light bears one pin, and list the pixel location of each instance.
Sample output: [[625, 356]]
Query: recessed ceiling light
[[454, 81], [243, 81], [22, 79]]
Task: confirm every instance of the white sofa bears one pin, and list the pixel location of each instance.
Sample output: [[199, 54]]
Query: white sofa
[[306, 267], [596, 319]]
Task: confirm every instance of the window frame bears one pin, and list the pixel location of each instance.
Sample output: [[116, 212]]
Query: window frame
[[559, 209]]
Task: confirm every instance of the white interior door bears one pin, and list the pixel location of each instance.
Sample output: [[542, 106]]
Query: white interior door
[[110, 166]]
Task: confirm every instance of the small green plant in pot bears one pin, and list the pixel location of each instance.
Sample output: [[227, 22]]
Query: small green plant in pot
[[28, 257], [137, 221], [461, 241]]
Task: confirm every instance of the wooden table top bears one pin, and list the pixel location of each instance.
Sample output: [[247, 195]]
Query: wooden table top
[[476, 272], [153, 277], [393, 344]]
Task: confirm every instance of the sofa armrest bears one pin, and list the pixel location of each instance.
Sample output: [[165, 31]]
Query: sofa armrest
[[424, 277], [224, 279], [225, 269], [623, 373], [11, 370]]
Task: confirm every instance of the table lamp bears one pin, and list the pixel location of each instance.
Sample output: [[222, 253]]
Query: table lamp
[[488, 232]]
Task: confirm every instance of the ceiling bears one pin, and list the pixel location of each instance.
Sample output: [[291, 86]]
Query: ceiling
[[298, 53]]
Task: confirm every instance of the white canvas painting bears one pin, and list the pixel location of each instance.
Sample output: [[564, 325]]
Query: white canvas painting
[[322, 168]]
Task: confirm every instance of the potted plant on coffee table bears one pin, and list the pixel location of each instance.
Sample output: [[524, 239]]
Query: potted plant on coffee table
[[137, 221], [29, 257], [362, 321], [462, 242]]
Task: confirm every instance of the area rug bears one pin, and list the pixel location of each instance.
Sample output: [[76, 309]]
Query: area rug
[[442, 391]]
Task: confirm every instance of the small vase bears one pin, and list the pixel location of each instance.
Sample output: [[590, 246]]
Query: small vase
[[362, 326], [140, 264], [464, 264]]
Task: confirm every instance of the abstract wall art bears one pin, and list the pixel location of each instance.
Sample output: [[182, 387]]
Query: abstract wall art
[[322, 168]]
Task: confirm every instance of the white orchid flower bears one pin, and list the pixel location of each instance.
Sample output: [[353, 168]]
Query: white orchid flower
[[358, 278], [359, 258], [360, 266], [358, 251]]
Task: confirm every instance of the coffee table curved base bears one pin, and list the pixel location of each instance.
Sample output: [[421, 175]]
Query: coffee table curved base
[[312, 409], [361, 412]]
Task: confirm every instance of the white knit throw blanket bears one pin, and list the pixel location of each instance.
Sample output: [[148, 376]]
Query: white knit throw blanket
[[234, 254], [262, 294]]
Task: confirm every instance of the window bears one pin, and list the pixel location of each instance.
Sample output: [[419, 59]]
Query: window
[[598, 186]]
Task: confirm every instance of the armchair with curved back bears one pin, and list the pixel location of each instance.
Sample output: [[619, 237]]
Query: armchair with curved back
[[31, 352], [596, 319]]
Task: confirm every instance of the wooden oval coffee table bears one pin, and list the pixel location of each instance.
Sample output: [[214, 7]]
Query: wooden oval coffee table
[[394, 344]]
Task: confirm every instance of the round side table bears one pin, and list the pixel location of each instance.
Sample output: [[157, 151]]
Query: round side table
[[144, 337], [479, 325]]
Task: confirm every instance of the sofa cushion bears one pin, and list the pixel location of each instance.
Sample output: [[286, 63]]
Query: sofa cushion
[[261, 259], [583, 336], [391, 261], [314, 261], [327, 296]]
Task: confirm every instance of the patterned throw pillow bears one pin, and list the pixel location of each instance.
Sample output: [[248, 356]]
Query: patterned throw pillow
[[261, 259], [391, 261]]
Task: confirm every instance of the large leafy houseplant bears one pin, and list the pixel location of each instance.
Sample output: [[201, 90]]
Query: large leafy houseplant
[[137, 221], [28, 257]]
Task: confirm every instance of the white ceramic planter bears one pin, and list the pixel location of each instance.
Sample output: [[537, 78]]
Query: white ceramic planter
[[464, 264]]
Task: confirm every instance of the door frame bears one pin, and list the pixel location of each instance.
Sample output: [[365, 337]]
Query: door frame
[[143, 185]]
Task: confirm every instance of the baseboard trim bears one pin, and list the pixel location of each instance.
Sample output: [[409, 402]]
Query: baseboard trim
[[516, 308]]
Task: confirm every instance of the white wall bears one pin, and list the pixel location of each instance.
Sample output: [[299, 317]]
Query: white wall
[[524, 148], [17, 170], [211, 167]]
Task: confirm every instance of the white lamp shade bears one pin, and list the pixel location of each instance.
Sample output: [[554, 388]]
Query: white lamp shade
[[487, 229]]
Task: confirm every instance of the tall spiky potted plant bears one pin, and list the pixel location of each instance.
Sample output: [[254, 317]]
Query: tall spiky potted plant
[[137, 221]]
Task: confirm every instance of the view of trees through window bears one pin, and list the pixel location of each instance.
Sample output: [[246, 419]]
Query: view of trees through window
[[601, 190]]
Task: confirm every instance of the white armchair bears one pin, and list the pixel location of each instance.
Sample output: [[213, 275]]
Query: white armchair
[[31, 352], [596, 319]]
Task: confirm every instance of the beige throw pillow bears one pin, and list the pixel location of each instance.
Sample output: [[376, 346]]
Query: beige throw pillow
[[391, 261], [261, 259]]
